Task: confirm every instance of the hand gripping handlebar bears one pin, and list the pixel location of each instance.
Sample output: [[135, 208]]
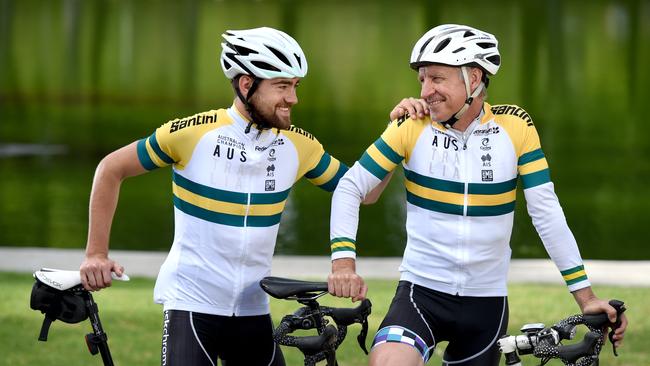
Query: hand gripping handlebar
[[313, 316], [545, 343]]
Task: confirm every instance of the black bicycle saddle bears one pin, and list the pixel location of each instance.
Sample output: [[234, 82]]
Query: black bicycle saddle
[[283, 288]]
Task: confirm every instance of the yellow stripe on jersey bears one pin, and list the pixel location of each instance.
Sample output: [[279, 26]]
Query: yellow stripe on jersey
[[533, 166], [484, 199], [433, 194], [492, 199], [343, 245], [574, 275], [381, 158], [331, 167], [227, 207]]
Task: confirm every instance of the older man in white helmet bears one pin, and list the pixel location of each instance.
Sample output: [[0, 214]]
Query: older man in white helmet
[[233, 169], [461, 164]]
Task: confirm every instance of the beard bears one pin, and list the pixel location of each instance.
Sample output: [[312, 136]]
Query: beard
[[266, 118]]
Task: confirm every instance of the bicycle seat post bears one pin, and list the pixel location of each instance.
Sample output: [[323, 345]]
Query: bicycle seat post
[[98, 339], [315, 310]]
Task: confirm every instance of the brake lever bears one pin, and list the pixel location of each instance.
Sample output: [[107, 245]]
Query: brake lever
[[361, 338], [620, 309]]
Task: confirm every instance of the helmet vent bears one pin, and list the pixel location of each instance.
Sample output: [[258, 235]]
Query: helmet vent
[[425, 45], [241, 50], [279, 55], [469, 34], [459, 49], [442, 45], [485, 45], [495, 59], [226, 64], [298, 59], [263, 65]]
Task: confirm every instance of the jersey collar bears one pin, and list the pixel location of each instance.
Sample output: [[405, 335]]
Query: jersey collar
[[487, 113]]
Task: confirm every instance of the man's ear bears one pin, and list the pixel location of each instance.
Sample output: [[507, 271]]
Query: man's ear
[[245, 82], [475, 77]]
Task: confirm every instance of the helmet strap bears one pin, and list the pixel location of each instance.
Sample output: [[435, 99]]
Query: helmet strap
[[252, 112], [470, 98]]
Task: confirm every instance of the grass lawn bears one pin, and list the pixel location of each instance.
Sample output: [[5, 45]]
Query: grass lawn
[[133, 323]]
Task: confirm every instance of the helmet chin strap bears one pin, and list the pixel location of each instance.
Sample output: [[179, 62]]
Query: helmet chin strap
[[470, 98]]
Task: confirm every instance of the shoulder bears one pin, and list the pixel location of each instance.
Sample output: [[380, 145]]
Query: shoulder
[[511, 113], [406, 122], [298, 132], [301, 137], [202, 119]]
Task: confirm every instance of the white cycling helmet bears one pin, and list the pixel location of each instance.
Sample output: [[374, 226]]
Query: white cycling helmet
[[462, 46], [265, 53], [457, 45]]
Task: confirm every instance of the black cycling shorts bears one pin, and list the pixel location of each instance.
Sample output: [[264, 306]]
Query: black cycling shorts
[[422, 318], [196, 339]]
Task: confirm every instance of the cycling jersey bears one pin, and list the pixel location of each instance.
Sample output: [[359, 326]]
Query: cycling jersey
[[460, 193], [230, 187]]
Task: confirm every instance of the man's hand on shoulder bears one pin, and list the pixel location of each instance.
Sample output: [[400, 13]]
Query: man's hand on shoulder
[[345, 282], [416, 109]]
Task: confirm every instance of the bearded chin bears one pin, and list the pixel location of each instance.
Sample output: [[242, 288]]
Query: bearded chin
[[264, 121]]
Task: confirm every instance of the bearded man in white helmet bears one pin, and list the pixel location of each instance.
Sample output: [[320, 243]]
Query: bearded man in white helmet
[[461, 160], [233, 169]]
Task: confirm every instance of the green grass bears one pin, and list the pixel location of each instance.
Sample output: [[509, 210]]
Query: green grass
[[133, 323]]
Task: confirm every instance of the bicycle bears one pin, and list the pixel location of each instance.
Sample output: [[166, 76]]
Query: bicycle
[[312, 316], [60, 296], [546, 343]]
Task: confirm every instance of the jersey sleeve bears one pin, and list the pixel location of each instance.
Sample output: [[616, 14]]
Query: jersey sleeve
[[386, 152], [532, 165], [325, 171], [156, 151], [546, 213], [379, 159]]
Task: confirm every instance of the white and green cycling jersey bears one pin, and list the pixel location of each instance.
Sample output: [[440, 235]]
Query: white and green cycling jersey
[[460, 198], [229, 187]]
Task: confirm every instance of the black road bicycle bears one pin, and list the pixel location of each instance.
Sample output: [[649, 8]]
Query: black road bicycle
[[546, 343], [315, 316]]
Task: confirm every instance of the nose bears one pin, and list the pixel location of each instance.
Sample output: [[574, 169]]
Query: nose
[[427, 89], [292, 96]]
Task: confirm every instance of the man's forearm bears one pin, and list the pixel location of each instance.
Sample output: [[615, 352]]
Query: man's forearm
[[583, 297]]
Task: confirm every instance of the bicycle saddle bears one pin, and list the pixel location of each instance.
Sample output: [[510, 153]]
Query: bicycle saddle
[[282, 288], [64, 280]]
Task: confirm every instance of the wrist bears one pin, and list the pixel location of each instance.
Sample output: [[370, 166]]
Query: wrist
[[344, 265]]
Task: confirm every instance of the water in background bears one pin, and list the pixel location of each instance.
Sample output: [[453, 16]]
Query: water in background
[[79, 79]]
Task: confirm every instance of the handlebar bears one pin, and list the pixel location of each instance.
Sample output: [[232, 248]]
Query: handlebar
[[545, 343], [313, 316]]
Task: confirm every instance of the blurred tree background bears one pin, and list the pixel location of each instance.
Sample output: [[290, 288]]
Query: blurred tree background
[[80, 78]]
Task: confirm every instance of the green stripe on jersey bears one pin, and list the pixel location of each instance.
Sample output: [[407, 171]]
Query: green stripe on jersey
[[331, 184], [320, 168], [371, 166], [530, 156], [144, 157], [226, 219], [535, 179], [228, 196], [387, 151]]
